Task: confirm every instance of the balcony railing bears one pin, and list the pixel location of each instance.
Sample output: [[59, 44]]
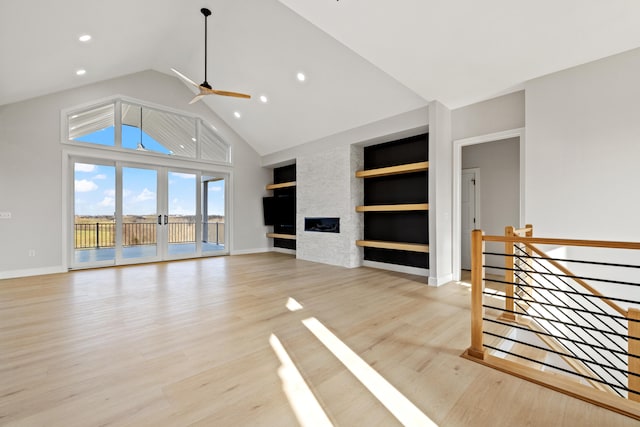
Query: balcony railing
[[103, 235]]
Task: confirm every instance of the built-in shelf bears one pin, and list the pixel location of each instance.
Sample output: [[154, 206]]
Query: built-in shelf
[[281, 236], [394, 208], [281, 185], [411, 247], [393, 170]]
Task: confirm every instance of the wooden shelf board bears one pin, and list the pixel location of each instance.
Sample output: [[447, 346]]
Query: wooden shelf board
[[412, 247], [393, 170], [394, 208], [282, 236], [281, 185]]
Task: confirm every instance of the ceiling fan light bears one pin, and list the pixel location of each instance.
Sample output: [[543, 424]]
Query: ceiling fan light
[[237, 114], [264, 99], [301, 77]]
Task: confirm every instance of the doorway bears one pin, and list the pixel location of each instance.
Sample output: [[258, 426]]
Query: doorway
[[517, 138], [126, 213]]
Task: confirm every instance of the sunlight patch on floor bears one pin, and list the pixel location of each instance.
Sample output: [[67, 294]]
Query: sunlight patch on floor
[[399, 406], [293, 305], [305, 405]]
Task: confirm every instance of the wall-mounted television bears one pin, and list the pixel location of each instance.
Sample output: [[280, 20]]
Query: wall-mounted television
[[279, 210]]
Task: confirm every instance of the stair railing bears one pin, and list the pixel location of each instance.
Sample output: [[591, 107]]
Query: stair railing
[[579, 338]]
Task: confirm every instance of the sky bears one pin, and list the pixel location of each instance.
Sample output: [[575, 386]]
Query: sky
[[95, 184]]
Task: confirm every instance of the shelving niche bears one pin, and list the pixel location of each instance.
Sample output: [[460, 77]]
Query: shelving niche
[[396, 204], [284, 185]]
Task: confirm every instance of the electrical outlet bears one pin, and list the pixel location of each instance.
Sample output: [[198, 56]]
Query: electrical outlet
[[32, 252], [5, 215]]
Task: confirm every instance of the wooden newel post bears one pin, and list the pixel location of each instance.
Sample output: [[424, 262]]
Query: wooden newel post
[[509, 275], [633, 316], [477, 289]]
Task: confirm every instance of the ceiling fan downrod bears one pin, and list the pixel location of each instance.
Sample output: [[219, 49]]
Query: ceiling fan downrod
[[206, 12]]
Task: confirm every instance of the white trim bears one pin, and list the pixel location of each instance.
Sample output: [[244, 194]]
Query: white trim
[[284, 251], [396, 267], [477, 191], [117, 102], [11, 274], [439, 281], [457, 171], [478, 211], [250, 251]]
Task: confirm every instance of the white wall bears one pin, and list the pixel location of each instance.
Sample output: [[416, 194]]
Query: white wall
[[440, 195], [31, 175], [493, 115], [582, 151]]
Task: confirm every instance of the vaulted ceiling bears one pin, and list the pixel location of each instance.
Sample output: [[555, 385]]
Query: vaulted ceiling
[[364, 60]]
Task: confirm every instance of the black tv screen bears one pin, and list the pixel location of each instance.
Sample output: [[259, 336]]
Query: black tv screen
[[279, 210]]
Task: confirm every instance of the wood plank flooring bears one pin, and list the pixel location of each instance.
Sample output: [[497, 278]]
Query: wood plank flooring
[[188, 344]]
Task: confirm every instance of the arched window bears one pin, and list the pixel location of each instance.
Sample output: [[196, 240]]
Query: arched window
[[124, 124]]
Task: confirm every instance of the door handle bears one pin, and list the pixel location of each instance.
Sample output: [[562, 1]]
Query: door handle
[[159, 219], [166, 219]]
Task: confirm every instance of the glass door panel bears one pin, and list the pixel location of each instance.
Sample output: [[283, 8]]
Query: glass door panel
[[94, 221], [140, 217], [182, 208], [213, 209]]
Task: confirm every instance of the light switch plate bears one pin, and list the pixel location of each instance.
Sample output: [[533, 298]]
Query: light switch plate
[[5, 215]]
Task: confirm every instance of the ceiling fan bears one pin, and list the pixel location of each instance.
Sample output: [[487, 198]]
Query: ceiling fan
[[204, 87]]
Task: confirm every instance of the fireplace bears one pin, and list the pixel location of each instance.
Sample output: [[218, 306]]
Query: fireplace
[[322, 225]]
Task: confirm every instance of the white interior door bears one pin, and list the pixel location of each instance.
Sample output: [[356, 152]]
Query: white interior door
[[469, 213]]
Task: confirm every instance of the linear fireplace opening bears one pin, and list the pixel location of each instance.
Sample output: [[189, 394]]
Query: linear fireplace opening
[[322, 225]]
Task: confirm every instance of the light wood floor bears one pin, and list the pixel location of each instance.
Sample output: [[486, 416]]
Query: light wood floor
[[188, 343]]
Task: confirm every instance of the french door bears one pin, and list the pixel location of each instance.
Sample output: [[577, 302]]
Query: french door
[[130, 213]]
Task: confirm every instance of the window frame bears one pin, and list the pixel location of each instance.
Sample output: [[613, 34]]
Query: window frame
[[117, 101]]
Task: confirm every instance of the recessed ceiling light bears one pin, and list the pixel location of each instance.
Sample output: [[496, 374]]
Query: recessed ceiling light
[[193, 139], [263, 98], [84, 38], [181, 146], [81, 72], [236, 114], [301, 77]]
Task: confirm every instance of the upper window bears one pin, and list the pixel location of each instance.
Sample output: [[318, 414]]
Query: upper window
[[146, 129]]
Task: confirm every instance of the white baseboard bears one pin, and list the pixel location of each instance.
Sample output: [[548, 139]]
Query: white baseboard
[[250, 251], [439, 281], [11, 274], [284, 251], [397, 268]]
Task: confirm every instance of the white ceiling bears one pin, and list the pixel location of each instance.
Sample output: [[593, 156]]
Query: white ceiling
[[365, 59]]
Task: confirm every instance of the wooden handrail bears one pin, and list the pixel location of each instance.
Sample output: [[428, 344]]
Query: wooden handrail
[[564, 242], [525, 231]]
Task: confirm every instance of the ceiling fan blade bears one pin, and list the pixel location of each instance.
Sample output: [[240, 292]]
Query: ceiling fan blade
[[224, 93], [185, 78], [197, 98], [234, 94]]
